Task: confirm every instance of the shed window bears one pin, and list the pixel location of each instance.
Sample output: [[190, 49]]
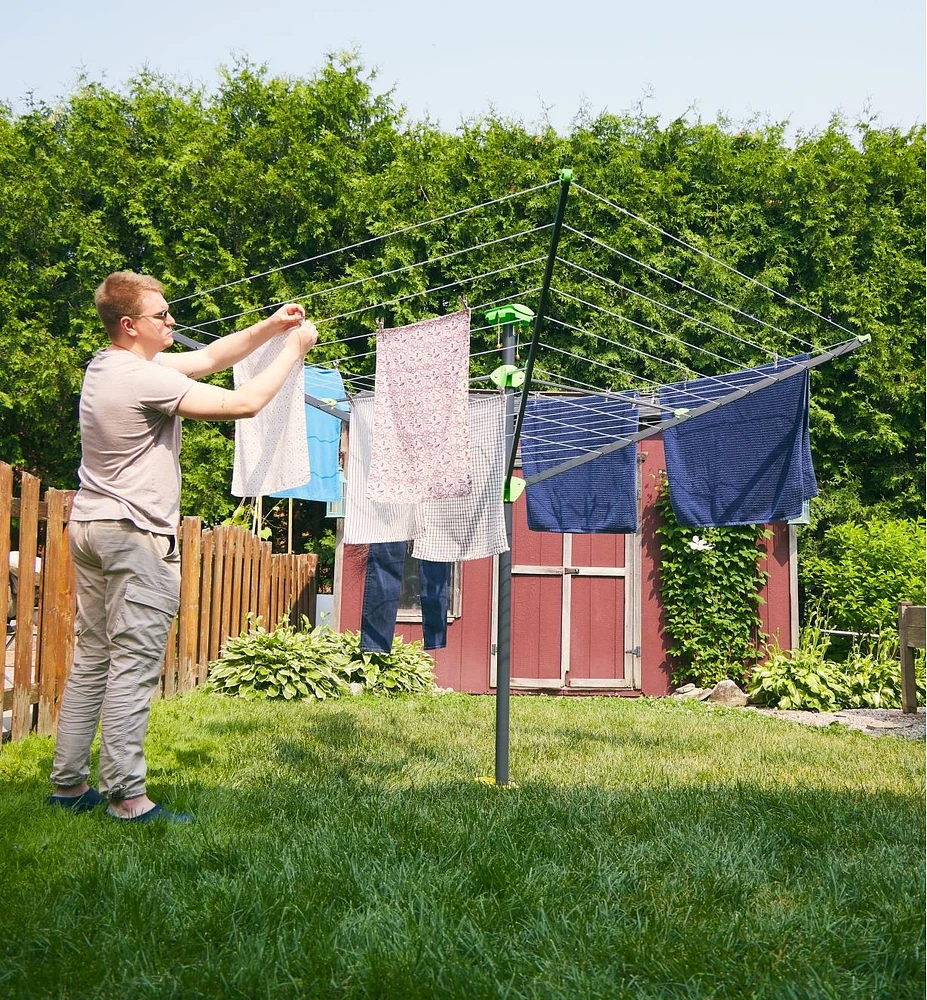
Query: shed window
[[410, 604]]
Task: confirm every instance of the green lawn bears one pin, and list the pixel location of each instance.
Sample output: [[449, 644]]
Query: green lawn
[[651, 849]]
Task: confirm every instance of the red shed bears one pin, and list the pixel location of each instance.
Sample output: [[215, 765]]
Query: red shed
[[586, 612]]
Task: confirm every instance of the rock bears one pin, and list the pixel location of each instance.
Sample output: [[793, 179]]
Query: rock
[[685, 689], [727, 693]]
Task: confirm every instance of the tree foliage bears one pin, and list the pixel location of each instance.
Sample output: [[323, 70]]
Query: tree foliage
[[204, 187]]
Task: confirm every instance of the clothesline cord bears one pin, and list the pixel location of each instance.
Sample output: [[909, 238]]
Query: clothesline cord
[[643, 326], [363, 243], [688, 287], [372, 277], [478, 308], [733, 270], [710, 378], [618, 343], [672, 309]]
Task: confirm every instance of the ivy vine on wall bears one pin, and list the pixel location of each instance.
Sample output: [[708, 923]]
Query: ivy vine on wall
[[710, 582]]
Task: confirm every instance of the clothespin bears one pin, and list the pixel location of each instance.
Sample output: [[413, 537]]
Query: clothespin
[[463, 303], [381, 324]]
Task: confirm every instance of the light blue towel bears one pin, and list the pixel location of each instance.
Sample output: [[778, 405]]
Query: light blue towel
[[323, 434], [746, 462], [599, 496]]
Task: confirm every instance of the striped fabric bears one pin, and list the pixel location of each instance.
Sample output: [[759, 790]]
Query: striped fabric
[[470, 527], [364, 520]]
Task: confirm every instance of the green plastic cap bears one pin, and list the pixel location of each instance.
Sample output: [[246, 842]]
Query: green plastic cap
[[514, 312], [566, 175]]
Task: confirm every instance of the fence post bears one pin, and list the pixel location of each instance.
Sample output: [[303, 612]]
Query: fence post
[[189, 611], [911, 634], [25, 605], [205, 627], [237, 556], [55, 593], [6, 507]]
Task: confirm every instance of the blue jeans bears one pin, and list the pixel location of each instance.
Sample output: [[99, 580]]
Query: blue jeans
[[382, 590]]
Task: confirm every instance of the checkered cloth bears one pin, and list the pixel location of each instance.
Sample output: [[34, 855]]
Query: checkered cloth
[[471, 527], [450, 530]]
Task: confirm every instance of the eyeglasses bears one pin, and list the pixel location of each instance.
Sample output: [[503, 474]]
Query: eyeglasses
[[162, 316]]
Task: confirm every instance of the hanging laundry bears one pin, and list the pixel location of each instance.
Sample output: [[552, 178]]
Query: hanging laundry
[[382, 591], [366, 521], [270, 448], [746, 462], [471, 527], [420, 449], [596, 497], [323, 436]]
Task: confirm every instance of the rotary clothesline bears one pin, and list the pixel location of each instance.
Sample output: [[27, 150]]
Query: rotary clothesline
[[649, 389], [665, 406], [552, 379]]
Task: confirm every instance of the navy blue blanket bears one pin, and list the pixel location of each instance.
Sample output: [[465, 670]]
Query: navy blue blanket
[[746, 462], [600, 496]]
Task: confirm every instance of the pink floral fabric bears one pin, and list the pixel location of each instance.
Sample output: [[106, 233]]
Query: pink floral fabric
[[421, 441]]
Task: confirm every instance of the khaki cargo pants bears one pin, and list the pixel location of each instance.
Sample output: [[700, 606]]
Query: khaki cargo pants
[[128, 590]]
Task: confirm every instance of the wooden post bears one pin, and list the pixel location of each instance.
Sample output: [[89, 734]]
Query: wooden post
[[237, 544], [912, 634], [54, 597], [25, 605], [219, 587], [6, 506], [266, 557], [188, 624], [67, 610], [205, 629]]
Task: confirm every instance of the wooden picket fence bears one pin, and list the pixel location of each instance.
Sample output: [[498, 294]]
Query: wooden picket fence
[[229, 579]]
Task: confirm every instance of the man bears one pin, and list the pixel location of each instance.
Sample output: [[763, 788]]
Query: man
[[124, 520]]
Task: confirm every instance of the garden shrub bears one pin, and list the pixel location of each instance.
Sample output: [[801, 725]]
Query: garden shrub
[[710, 584], [806, 678], [861, 571], [291, 664]]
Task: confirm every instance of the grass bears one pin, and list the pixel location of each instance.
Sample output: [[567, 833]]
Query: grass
[[652, 849]]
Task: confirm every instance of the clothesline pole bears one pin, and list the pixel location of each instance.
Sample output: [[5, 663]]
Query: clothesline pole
[[504, 609], [566, 177]]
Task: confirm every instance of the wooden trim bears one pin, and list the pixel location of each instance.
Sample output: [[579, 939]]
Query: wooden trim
[[603, 684], [632, 609], [539, 683], [795, 628], [566, 609]]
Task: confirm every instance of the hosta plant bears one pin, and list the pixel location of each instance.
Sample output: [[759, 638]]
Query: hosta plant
[[291, 663]]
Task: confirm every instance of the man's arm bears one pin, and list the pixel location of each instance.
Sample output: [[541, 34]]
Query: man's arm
[[229, 350], [210, 402]]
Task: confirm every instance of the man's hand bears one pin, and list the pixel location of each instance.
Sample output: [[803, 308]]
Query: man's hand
[[287, 317], [305, 335]]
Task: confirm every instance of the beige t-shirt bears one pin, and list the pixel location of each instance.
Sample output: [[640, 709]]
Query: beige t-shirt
[[130, 442]]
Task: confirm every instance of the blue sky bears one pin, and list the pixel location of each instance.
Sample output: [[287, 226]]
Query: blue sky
[[800, 61]]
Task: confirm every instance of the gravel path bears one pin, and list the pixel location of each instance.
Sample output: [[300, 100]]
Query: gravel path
[[874, 721]]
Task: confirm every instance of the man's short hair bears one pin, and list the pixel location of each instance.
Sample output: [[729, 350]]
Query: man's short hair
[[120, 295]]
